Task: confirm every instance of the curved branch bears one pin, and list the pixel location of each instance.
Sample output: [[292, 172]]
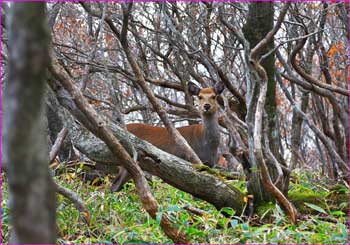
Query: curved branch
[[57, 145], [265, 176], [179, 140], [75, 199], [310, 86], [126, 13], [99, 128], [334, 155], [269, 36], [309, 78]]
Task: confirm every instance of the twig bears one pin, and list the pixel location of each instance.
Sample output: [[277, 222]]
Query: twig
[[308, 77], [254, 52], [288, 41], [75, 199], [93, 52], [58, 144], [334, 155], [194, 210]]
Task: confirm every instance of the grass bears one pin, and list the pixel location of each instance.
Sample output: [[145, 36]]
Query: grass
[[120, 218]]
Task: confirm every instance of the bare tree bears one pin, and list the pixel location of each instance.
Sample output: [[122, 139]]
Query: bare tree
[[32, 195]]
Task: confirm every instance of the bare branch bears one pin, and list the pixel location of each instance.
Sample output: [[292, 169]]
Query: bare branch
[[75, 199], [309, 78], [58, 143], [94, 49], [254, 52], [100, 129], [180, 141], [319, 134]]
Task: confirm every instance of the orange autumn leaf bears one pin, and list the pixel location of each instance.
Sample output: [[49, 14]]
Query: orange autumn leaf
[[338, 73], [223, 162], [332, 51], [336, 49]]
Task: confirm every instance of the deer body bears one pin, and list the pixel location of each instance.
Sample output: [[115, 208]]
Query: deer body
[[203, 138]]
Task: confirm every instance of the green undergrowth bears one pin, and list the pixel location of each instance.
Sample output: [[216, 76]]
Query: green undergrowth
[[309, 190], [120, 218]]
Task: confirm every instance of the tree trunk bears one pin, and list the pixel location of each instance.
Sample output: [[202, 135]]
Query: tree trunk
[[259, 23], [32, 195]]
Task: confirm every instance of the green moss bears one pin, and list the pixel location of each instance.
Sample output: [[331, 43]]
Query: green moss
[[220, 173], [240, 185], [265, 209], [202, 167], [299, 198], [305, 197]]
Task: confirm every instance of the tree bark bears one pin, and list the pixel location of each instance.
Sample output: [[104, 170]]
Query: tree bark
[[32, 195], [259, 23], [256, 97], [297, 120]]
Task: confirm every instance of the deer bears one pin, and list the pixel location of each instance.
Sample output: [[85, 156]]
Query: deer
[[204, 138]]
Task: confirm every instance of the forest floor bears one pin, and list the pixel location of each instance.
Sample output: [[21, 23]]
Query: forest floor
[[120, 218]]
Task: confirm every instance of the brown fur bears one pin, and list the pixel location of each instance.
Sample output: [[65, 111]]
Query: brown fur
[[160, 137]]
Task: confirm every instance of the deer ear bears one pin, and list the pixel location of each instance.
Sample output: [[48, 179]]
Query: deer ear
[[220, 101], [219, 87], [193, 88]]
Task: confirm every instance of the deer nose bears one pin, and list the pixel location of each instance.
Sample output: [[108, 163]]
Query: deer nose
[[206, 107]]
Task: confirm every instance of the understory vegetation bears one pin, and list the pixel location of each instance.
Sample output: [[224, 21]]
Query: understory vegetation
[[120, 218]]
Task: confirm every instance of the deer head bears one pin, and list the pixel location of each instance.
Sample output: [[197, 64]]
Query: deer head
[[207, 97]]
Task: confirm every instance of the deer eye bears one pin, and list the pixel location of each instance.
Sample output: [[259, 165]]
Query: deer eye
[[213, 97], [200, 97]]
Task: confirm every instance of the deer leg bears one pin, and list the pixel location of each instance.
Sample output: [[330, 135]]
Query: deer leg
[[122, 177]]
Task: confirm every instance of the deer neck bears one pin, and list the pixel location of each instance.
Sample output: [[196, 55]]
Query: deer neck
[[211, 129]]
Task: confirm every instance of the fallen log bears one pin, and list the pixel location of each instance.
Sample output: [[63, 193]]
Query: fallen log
[[171, 169]]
